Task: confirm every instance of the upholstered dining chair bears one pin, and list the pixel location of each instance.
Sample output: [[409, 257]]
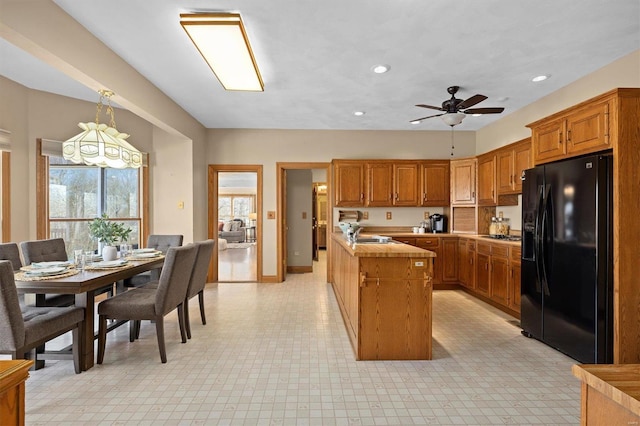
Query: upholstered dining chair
[[22, 329], [47, 251], [160, 243], [152, 303], [198, 280], [10, 252]]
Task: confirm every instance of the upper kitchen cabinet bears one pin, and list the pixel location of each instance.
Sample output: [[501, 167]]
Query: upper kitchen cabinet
[[349, 180], [583, 129], [487, 195], [379, 184], [463, 181], [435, 183], [512, 160], [406, 185]]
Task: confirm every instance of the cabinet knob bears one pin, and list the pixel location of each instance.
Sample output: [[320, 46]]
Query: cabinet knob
[[569, 135], [560, 136]]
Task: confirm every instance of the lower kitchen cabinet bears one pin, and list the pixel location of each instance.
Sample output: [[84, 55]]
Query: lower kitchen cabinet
[[498, 275], [483, 275], [514, 279], [433, 244], [449, 253]]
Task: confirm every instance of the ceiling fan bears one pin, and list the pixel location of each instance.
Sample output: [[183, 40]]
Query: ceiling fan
[[455, 109]]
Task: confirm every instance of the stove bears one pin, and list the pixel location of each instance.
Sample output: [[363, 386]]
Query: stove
[[503, 237]]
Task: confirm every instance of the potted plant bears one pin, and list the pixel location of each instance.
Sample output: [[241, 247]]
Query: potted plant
[[108, 233]]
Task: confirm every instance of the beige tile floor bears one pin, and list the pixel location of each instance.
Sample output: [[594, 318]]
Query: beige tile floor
[[278, 354]]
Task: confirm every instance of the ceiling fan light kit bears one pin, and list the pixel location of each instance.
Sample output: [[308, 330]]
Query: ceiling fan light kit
[[455, 109]]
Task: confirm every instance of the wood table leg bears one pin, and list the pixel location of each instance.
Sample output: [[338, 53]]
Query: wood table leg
[[87, 301]]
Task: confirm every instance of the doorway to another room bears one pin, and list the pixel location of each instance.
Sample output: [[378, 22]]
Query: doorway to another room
[[235, 198]]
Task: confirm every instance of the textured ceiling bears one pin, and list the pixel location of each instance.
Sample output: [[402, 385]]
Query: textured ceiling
[[316, 56]]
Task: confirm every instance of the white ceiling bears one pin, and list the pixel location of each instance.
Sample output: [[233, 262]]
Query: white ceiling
[[316, 56]]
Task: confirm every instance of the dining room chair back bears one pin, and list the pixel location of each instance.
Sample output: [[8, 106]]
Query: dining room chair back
[[198, 280], [22, 329], [50, 250], [161, 243], [152, 303], [10, 252]]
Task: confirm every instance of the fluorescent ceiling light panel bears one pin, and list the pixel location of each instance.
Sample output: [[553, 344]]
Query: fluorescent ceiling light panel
[[222, 40]]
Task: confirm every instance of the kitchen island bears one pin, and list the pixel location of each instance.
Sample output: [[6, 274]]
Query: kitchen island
[[384, 292]]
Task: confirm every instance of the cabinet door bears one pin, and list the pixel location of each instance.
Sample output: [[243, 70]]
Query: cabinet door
[[435, 184], [407, 240], [463, 262], [588, 130], [379, 184], [487, 180], [514, 286], [433, 244], [449, 250], [406, 185], [505, 171], [483, 274], [471, 278], [522, 161], [548, 143], [463, 181], [500, 279], [349, 184]]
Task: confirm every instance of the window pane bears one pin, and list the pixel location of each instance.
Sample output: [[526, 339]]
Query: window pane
[[76, 235], [121, 193], [73, 192], [224, 208], [242, 208]]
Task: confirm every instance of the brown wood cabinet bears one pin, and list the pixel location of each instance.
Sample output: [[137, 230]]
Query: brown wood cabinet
[[433, 244], [499, 274], [548, 141], [493, 274], [406, 185], [349, 178], [483, 273], [463, 181], [512, 160], [449, 254], [514, 279], [487, 195], [379, 184], [435, 183], [13, 375]]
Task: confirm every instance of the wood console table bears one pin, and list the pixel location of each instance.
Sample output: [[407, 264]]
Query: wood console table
[[13, 374], [610, 394]]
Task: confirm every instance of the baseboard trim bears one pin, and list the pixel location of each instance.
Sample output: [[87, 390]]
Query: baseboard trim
[[269, 279], [299, 269]]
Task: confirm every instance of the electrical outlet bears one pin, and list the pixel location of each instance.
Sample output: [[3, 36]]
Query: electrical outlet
[[426, 215], [304, 215], [388, 215], [296, 253], [365, 215]]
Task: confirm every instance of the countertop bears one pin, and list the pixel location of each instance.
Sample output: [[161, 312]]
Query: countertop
[[380, 250], [483, 238], [619, 382]]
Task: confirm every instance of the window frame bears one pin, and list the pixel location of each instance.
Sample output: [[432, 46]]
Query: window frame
[[43, 227]]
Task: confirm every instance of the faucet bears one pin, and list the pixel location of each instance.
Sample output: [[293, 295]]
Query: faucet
[[352, 235]]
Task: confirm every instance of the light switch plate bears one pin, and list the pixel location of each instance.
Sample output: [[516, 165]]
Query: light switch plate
[[365, 215], [271, 214]]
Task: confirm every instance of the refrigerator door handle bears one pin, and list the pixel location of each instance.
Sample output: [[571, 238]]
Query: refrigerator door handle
[[543, 243], [537, 239]]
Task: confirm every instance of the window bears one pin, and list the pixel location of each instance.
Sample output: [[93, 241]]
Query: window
[[235, 207], [76, 193]]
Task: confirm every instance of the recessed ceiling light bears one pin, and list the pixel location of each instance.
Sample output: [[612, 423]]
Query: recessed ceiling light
[[359, 113], [502, 99], [476, 115], [539, 78], [380, 69], [415, 122]]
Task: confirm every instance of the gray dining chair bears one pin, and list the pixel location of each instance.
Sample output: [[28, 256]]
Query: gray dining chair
[[198, 280], [10, 252], [47, 251], [162, 244], [153, 304], [23, 329]]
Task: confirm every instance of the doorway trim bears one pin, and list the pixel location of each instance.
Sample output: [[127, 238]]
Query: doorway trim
[[281, 230], [212, 208]]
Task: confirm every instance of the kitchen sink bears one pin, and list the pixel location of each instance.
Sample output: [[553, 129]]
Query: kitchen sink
[[374, 241]]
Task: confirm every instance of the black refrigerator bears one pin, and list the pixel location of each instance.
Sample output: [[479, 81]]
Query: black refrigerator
[[567, 257]]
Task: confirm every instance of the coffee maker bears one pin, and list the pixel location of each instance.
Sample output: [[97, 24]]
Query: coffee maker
[[438, 223]]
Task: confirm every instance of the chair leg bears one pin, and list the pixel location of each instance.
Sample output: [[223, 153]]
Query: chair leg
[[132, 330], [201, 301], [187, 321], [76, 348], [183, 332], [102, 337], [160, 334], [138, 322]]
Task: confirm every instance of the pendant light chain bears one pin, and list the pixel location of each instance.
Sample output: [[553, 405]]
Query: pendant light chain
[[452, 141]]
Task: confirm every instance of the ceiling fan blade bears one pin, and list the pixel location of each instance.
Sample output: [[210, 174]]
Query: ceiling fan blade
[[484, 110], [424, 118], [475, 99], [430, 106]]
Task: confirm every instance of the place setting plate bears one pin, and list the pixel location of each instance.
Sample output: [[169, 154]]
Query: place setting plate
[[146, 254], [45, 272], [108, 264], [47, 265]]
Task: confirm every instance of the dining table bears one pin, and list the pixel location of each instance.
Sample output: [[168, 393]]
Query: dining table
[[84, 285]]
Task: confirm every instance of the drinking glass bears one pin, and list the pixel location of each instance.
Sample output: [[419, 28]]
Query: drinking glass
[[77, 257], [124, 250], [87, 259]]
